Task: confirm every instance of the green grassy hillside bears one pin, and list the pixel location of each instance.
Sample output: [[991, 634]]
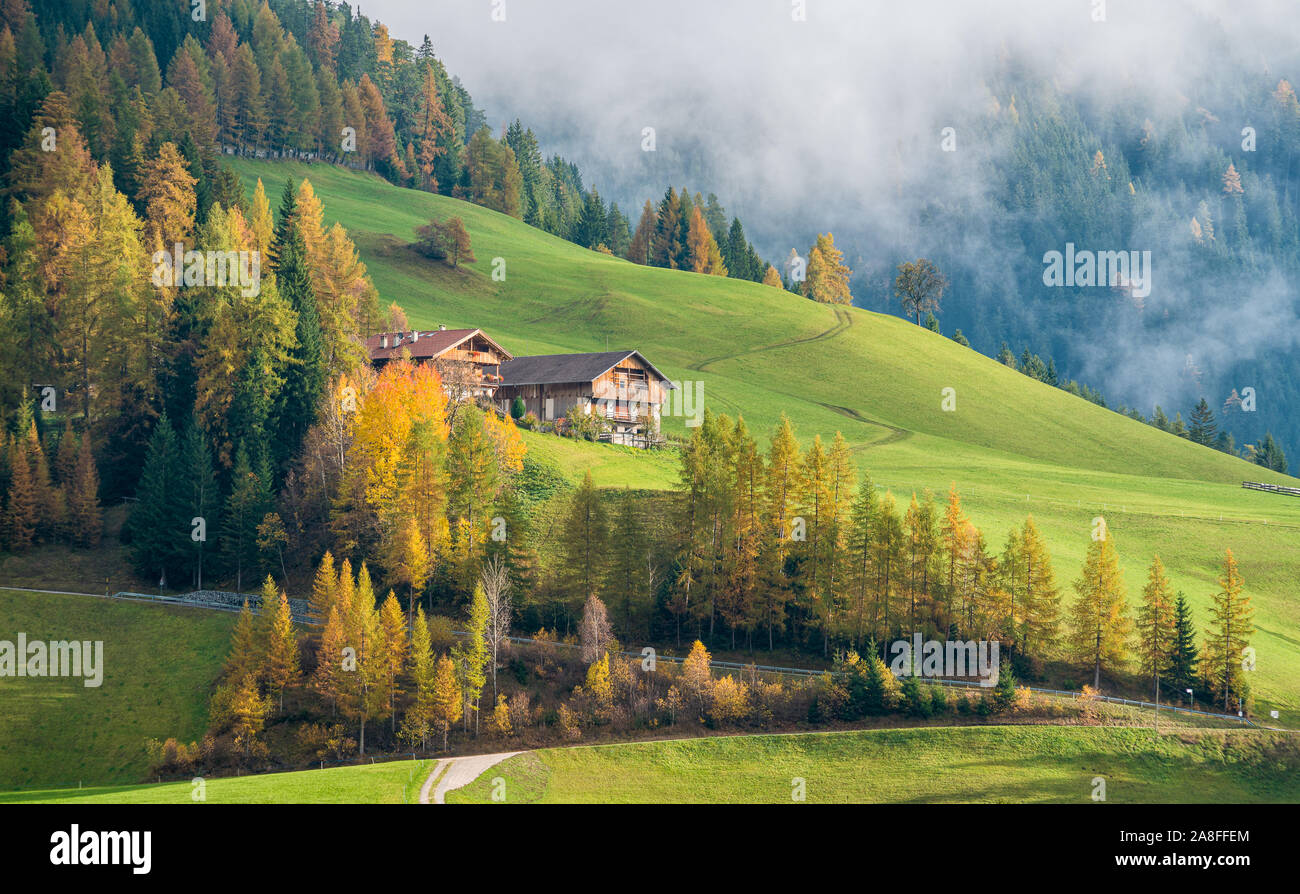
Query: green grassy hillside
[[395, 782], [1008, 764], [1019, 764], [1013, 445], [159, 665]]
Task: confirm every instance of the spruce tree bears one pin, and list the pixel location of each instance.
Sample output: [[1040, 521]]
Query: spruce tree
[[1004, 691], [20, 512], [1203, 428], [85, 517], [246, 504], [202, 496], [304, 378], [1180, 672], [158, 524], [1156, 623]]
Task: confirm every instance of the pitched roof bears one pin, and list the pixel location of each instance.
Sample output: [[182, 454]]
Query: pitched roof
[[428, 345], [555, 369]]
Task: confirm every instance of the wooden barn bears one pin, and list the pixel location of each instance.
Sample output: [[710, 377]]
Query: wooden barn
[[467, 359], [621, 386]]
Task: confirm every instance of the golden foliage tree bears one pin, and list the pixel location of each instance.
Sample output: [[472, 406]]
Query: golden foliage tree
[[1100, 611], [1224, 658]]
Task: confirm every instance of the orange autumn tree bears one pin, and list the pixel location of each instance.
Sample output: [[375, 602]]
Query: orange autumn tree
[[396, 463]]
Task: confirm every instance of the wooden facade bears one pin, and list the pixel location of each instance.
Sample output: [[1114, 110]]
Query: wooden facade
[[467, 358], [620, 386]]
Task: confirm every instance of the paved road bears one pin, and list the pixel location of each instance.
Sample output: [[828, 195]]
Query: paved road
[[459, 772]]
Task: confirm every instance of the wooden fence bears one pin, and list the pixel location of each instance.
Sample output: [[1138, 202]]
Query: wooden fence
[[1271, 488]]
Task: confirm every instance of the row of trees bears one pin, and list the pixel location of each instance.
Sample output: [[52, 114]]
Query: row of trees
[[787, 542], [1203, 428], [48, 502], [318, 81], [362, 662]]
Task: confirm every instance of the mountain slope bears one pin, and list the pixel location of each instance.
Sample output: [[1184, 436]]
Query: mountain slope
[[1013, 445]]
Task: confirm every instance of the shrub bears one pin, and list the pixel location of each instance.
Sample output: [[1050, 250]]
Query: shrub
[[519, 670], [441, 636], [1004, 691], [729, 702], [916, 698], [569, 723]]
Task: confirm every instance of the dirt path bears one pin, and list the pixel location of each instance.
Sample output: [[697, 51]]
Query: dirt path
[[843, 320], [460, 772]]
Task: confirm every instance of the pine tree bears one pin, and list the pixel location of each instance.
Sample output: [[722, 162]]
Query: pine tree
[[21, 510], [329, 680], [472, 472], [667, 245], [1203, 426], [201, 493], [471, 655], [1100, 611], [159, 526], [887, 539], [418, 720], [582, 541], [1180, 672], [1042, 598], [246, 505], [305, 375], [51, 511], [1004, 691], [1232, 618], [392, 624], [1156, 622], [283, 663], [447, 704], [324, 589], [245, 654], [362, 692], [639, 250], [85, 517], [593, 225], [1269, 454]]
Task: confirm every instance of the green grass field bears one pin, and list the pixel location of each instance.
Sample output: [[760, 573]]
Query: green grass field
[[1008, 764], [159, 665], [1013, 446], [970, 764], [395, 782]]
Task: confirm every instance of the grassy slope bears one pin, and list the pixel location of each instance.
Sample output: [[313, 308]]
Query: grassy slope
[[1018, 764], [396, 782], [936, 764], [1013, 446], [158, 666]]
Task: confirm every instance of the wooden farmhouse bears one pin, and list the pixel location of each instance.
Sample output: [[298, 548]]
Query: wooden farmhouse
[[621, 386], [468, 361]]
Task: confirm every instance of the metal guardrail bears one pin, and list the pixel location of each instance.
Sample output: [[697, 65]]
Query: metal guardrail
[[1271, 488], [129, 596], [1107, 698]]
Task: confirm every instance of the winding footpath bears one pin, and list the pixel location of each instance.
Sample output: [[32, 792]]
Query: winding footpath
[[460, 772]]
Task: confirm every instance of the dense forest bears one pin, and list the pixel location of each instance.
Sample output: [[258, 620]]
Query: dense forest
[[1208, 186], [150, 355]]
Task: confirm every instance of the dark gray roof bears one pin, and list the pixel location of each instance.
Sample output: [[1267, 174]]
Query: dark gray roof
[[556, 369]]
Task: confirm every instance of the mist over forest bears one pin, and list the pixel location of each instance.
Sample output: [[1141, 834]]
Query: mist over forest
[[836, 123]]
